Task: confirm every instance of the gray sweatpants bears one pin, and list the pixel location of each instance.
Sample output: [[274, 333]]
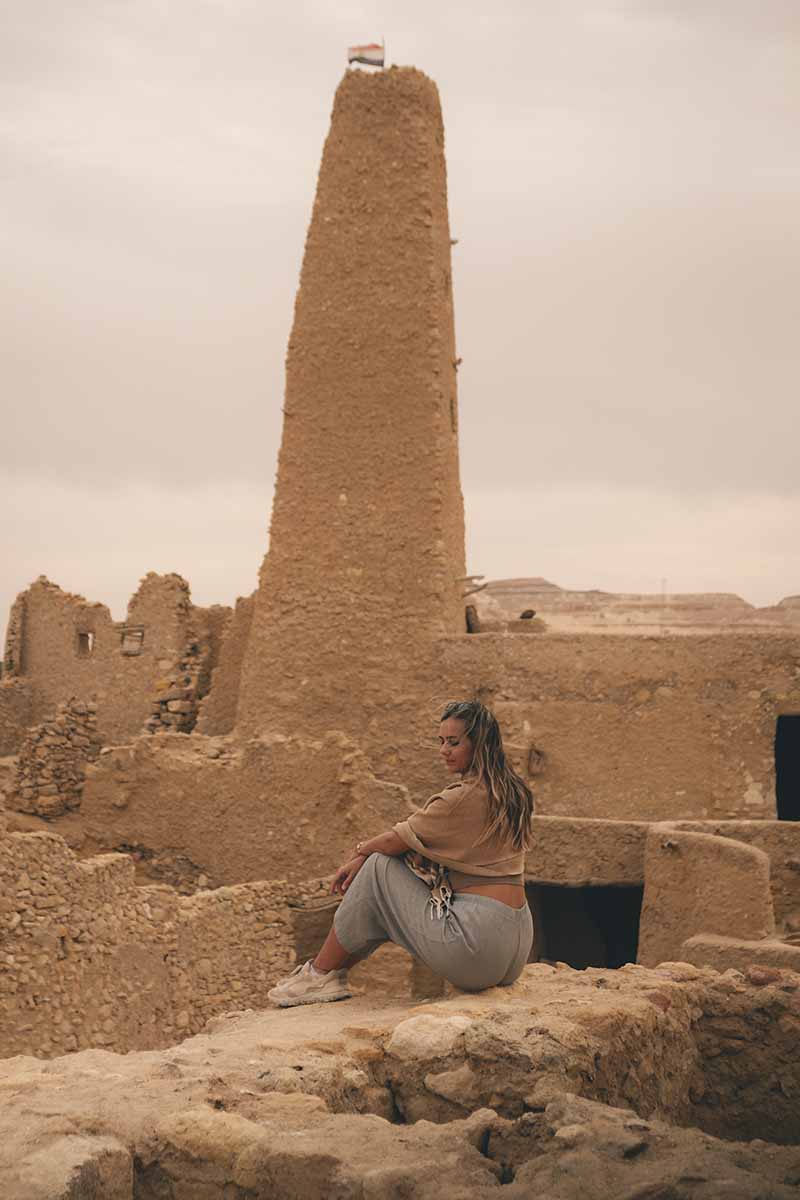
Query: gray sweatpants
[[480, 943]]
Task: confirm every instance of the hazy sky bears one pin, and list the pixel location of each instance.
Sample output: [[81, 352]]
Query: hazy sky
[[624, 180]]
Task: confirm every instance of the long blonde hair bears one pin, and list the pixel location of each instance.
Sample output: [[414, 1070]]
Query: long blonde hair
[[510, 798]]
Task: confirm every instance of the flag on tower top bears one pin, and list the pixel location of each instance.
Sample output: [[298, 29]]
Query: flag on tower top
[[371, 55]]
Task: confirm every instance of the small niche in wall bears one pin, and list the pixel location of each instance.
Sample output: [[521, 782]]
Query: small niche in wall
[[85, 644], [536, 761], [132, 639]]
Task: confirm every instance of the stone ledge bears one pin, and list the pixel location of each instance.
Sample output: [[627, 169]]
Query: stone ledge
[[724, 953]]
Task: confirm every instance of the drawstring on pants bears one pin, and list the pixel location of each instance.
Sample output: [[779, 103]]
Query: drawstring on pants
[[436, 877]]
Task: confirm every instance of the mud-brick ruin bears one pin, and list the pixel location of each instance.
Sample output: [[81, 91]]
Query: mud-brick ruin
[[178, 786]]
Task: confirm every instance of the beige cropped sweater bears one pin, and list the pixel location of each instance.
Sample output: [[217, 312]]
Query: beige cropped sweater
[[451, 829]]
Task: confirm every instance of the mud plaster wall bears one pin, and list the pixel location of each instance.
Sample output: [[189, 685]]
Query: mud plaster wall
[[218, 709], [56, 663], [780, 841], [295, 806], [367, 534], [586, 853], [278, 806], [636, 728], [89, 958], [16, 713], [698, 883]]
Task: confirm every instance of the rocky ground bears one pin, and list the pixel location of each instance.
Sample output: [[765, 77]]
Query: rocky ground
[[570, 1084]]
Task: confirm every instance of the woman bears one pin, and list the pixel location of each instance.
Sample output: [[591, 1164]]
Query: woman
[[446, 884]]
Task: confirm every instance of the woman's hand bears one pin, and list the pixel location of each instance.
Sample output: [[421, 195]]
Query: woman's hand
[[347, 873]]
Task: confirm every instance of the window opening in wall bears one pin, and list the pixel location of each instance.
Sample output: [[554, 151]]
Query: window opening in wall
[[132, 639], [585, 926], [787, 768], [85, 644]]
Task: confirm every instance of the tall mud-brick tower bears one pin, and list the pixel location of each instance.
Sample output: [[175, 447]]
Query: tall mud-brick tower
[[366, 557]]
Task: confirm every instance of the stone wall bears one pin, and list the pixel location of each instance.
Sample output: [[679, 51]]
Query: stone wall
[[87, 958], [696, 883], [175, 704], [218, 709], [63, 645], [52, 762]]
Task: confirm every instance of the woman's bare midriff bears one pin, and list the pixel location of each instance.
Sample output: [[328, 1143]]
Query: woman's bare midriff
[[512, 894]]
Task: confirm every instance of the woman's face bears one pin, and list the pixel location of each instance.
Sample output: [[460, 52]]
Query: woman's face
[[454, 746]]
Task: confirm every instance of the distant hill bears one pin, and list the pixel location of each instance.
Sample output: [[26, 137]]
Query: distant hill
[[595, 611]]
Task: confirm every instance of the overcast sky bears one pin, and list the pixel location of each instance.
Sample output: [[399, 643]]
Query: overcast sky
[[624, 180]]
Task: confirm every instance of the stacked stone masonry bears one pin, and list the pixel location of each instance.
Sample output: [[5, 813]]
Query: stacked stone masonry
[[88, 958], [178, 692], [51, 767]]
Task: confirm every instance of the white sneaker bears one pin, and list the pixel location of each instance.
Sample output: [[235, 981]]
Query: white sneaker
[[306, 986]]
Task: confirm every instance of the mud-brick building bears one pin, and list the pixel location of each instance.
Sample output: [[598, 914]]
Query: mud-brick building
[[157, 663]]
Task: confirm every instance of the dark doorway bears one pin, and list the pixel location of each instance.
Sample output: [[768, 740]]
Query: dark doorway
[[787, 768], [311, 924], [585, 926]]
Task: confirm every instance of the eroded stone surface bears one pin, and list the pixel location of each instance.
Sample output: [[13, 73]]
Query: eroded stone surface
[[587, 1151], [281, 1102]]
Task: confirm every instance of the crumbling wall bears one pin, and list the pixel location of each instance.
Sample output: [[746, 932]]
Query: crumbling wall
[[218, 709], [90, 959], [177, 692], [634, 728], [64, 646], [13, 654], [52, 762], [696, 883], [16, 713], [216, 620]]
